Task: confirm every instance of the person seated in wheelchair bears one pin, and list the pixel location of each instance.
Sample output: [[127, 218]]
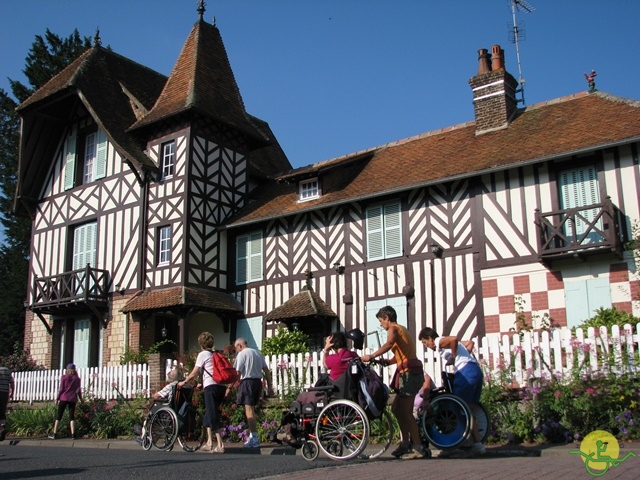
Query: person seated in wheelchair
[[333, 384], [336, 358], [163, 396]]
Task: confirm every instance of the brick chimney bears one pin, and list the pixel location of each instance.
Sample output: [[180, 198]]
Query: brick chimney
[[494, 92]]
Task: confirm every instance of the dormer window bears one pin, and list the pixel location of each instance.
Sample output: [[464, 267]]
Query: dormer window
[[86, 157], [309, 189]]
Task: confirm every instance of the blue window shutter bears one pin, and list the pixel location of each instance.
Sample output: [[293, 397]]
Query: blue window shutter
[[70, 162], [251, 330], [579, 188], [399, 304], [101, 154], [242, 260], [576, 302], [392, 231], [375, 233], [599, 293]]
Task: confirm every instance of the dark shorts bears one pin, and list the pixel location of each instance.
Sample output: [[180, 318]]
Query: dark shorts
[[72, 410], [467, 383], [250, 391], [409, 383], [213, 398]]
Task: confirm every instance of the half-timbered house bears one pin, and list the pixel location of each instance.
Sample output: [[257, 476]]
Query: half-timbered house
[[161, 208]]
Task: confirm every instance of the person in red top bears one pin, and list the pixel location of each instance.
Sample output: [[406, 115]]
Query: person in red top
[[337, 362], [68, 395]]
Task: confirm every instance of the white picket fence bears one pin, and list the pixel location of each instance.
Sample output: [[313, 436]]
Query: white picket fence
[[99, 382], [518, 358]]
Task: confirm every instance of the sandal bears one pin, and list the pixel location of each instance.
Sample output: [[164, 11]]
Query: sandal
[[401, 450], [218, 450], [207, 448]]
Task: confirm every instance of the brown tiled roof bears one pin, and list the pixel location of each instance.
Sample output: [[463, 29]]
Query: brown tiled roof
[[553, 129], [98, 79], [166, 298], [306, 304], [202, 80]]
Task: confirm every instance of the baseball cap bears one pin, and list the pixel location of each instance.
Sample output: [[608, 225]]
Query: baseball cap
[[71, 366]]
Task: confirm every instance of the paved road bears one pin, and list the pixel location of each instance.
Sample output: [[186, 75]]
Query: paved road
[[110, 460]]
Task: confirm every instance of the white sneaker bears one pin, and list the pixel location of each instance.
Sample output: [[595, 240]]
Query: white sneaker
[[253, 442], [478, 449]]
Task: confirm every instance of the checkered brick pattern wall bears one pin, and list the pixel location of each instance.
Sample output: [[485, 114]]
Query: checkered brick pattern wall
[[542, 292]]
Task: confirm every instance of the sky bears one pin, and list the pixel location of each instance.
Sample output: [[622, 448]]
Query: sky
[[334, 77]]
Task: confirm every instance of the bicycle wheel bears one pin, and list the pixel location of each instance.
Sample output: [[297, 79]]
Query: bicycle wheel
[[191, 434], [164, 428], [381, 435], [342, 430], [447, 423]]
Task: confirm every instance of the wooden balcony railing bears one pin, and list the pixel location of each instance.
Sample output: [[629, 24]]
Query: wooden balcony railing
[[581, 231], [83, 288]]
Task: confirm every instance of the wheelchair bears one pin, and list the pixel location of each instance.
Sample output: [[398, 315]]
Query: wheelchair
[[177, 419], [447, 423], [328, 419]]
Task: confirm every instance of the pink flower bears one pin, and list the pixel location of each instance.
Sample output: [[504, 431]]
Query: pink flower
[[557, 394]]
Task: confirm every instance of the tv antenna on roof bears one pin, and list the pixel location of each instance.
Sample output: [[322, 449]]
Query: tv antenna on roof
[[516, 34]]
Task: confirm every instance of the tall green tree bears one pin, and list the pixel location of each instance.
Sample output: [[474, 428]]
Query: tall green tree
[[47, 57]]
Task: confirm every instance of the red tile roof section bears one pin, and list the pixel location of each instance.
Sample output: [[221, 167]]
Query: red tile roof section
[[543, 131], [166, 298], [306, 304]]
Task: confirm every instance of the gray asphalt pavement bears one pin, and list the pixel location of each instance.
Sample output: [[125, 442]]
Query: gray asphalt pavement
[[500, 462]]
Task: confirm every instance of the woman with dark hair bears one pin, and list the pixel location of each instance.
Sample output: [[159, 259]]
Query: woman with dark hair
[[68, 395], [337, 363]]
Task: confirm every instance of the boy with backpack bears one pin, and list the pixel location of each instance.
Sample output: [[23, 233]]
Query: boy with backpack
[[251, 365]]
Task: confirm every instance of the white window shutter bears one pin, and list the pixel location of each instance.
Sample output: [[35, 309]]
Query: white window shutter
[[70, 162], [84, 245], [375, 233], [101, 154], [256, 257], [393, 231]]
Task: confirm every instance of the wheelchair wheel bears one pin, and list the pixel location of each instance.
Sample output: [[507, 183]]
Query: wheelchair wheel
[[481, 417], [381, 435], [310, 450], [164, 428], [191, 434], [342, 430], [447, 422]]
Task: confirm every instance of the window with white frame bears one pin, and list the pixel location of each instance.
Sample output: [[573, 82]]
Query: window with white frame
[[168, 158], [309, 190], [164, 245], [249, 258], [384, 231]]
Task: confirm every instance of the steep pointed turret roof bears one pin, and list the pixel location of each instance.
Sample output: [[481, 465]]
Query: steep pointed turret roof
[[202, 81]]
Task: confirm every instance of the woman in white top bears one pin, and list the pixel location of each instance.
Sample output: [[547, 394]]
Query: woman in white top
[[213, 393]]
